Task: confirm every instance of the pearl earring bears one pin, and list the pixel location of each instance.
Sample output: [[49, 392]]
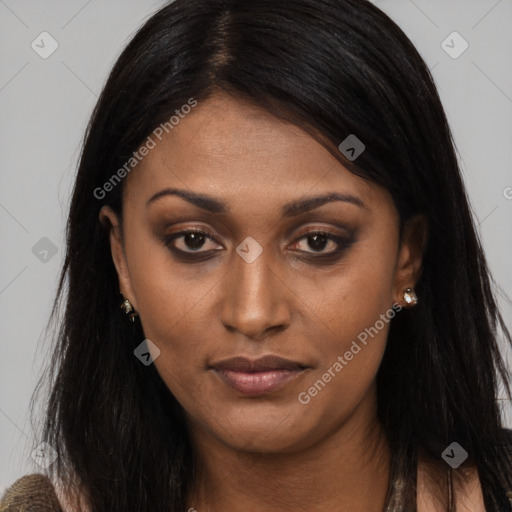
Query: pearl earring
[[410, 297], [126, 305]]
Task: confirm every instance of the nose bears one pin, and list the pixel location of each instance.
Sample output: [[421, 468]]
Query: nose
[[256, 299]]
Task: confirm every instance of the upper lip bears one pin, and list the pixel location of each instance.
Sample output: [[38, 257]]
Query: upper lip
[[265, 363]]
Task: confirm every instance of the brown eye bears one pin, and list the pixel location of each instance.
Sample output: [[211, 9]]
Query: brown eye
[[191, 241], [319, 241]]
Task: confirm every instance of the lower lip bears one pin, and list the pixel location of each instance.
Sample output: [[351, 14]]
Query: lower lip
[[257, 383]]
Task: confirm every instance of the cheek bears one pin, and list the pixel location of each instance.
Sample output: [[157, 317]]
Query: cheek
[[353, 295], [167, 293], [355, 316], [169, 303]]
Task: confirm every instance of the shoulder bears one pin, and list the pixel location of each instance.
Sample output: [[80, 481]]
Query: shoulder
[[469, 495], [36, 492], [29, 491]]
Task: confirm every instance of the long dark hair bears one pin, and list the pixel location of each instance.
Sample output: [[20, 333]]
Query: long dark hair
[[334, 68]]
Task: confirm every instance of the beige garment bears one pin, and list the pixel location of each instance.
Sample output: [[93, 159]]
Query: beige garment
[[29, 493]]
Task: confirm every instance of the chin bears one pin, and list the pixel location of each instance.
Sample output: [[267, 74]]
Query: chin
[[266, 432]]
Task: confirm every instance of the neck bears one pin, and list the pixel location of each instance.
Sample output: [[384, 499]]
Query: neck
[[346, 470]]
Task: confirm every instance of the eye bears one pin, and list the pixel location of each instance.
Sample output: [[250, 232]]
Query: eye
[[320, 242], [197, 244], [191, 241]]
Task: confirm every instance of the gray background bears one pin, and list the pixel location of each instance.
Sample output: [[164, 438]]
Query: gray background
[[45, 105]]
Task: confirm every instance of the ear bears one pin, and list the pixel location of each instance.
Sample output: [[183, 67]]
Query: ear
[[410, 255], [109, 219]]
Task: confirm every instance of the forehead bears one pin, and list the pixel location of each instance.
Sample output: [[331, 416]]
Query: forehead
[[230, 148]]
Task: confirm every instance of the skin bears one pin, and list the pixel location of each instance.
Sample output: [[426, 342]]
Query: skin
[[468, 494], [269, 452]]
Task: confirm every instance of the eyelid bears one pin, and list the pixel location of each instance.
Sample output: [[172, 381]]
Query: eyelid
[[339, 230], [324, 229]]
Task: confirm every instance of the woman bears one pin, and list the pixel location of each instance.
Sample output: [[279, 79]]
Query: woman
[[307, 320]]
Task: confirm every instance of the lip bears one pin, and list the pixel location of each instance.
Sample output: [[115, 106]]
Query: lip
[[262, 364], [255, 377]]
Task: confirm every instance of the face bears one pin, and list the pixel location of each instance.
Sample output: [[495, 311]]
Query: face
[[250, 259]]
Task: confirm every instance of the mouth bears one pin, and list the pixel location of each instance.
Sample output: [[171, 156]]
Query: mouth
[[257, 377]]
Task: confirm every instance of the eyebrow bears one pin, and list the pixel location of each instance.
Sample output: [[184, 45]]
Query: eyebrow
[[212, 205]]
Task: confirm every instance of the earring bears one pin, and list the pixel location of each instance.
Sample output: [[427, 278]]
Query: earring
[[128, 309], [410, 297]]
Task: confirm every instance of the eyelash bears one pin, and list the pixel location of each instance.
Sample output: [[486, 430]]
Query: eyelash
[[343, 243]]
